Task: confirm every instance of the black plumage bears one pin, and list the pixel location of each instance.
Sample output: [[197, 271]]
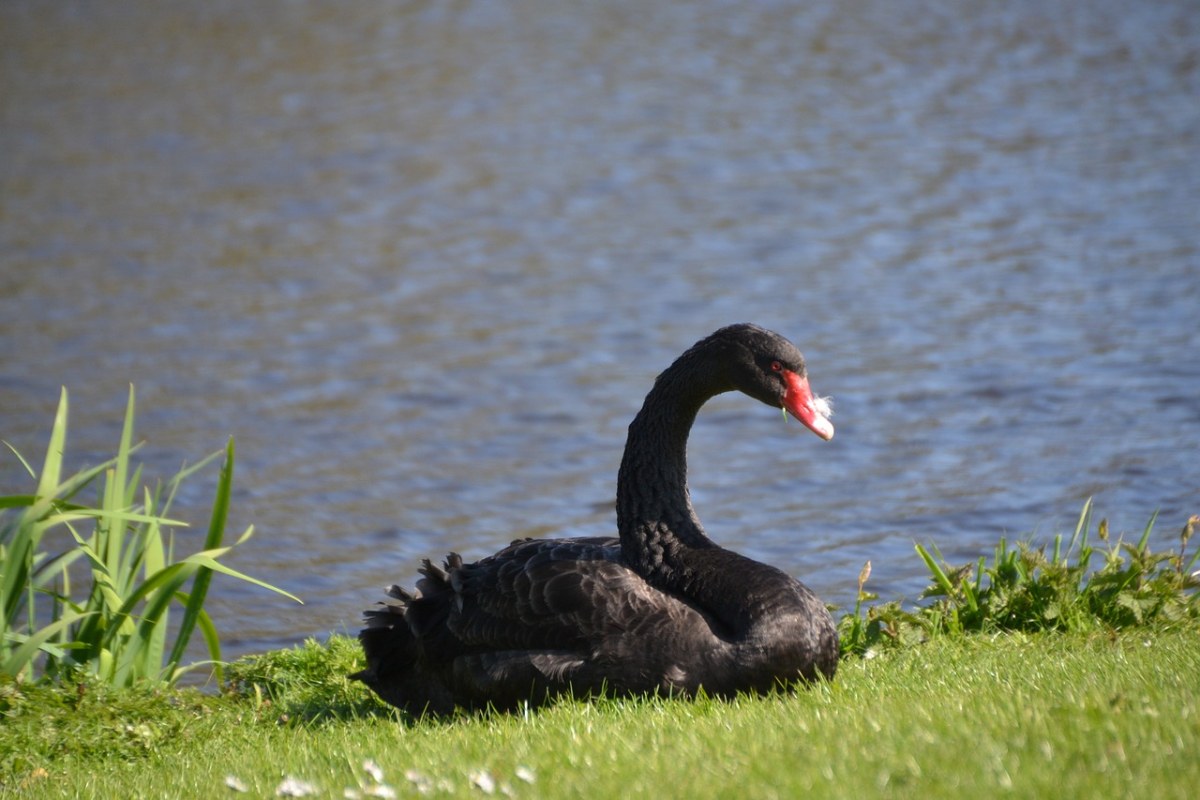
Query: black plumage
[[662, 608]]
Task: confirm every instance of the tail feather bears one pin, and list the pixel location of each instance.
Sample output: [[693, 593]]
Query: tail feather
[[434, 578], [399, 668]]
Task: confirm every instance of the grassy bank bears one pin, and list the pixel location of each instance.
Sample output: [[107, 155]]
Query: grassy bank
[[1048, 714], [1065, 670]]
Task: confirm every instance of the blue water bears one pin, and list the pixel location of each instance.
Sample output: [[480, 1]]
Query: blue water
[[423, 260]]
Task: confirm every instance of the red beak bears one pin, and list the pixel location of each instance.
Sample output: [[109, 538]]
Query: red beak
[[799, 401]]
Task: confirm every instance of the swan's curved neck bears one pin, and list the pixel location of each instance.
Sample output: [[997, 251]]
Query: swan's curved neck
[[655, 518]]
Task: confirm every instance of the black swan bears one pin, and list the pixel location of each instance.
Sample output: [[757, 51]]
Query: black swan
[[660, 609]]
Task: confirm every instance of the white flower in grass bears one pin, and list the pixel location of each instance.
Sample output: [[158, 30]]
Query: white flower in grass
[[294, 787], [483, 781], [423, 784], [372, 769], [232, 782]]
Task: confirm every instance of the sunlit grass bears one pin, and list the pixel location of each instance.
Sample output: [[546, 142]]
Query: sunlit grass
[[1034, 715]]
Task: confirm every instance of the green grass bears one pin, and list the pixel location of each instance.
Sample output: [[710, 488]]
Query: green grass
[[1031, 588], [1024, 715]]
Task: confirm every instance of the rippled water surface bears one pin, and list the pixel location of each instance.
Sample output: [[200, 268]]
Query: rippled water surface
[[423, 260]]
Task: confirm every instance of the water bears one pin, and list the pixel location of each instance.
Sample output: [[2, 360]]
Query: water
[[424, 259]]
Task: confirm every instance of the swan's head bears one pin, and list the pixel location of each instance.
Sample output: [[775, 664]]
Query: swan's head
[[768, 367]]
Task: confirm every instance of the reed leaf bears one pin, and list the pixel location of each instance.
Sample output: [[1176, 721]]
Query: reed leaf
[[216, 533], [20, 659]]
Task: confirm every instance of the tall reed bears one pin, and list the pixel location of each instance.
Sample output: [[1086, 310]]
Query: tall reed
[[117, 626]]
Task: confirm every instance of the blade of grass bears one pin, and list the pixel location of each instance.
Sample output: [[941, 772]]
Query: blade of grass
[[216, 532], [22, 538], [208, 560], [1141, 545], [153, 561], [21, 458], [20, 659], [52, 465], [1081, 526], [939, 575], [114, 494]]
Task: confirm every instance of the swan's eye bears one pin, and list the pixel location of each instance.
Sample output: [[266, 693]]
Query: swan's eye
[[776, 366]]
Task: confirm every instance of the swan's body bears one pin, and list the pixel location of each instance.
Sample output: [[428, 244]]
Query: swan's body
[[660, 609]]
